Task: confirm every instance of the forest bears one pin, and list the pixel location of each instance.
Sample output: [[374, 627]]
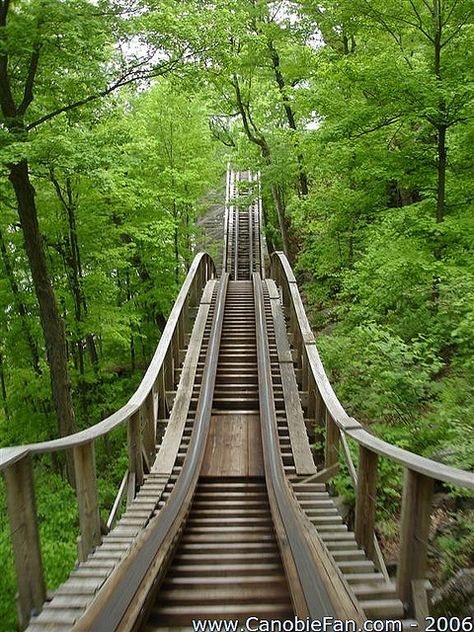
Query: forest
[[117, 121]]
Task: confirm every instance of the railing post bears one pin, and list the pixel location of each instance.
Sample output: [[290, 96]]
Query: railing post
[[414, 532], [161, 389], [87, 499], [365, 501], [331, 453], [21, 504], [149, 427], [168, 369], [134, 440]]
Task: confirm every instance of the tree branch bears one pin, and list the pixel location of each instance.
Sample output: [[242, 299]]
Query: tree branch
[[127, 78], [30, 80], [7, 102], [380, 125]]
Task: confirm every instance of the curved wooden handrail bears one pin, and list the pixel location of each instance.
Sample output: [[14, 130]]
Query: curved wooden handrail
[[325, 409], [349, 425], [140, 414], [137, 399]]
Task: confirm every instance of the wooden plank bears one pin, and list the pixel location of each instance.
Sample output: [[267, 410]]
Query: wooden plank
[[300, 447], [134, 440], [414, 533], [421, 589], [331, 453], [365, 500], [21, 504], [166, 456], [87, 498], [233, 447]]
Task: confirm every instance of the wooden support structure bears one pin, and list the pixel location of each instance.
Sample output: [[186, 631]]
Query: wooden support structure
[[414, 532], [134, 437], [26, 546], [331, 453], [149, 426], [365, 500], [87, 499]]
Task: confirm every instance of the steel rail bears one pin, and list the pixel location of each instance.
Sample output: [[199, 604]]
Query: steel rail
[[316, 597], [123, 592]]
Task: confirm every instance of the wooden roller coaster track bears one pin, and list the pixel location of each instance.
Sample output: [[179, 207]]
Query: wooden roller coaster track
[[226, 515]]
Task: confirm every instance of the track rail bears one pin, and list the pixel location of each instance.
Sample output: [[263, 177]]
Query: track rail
[[315, 593], [123, 596]]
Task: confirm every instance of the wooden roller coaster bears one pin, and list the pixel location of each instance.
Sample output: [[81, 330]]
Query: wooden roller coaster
[[222, 514]]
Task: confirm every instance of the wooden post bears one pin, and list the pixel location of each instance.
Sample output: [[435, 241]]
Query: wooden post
[[134, 437], [87, 499], [312, 389], [175, 351], [149, 427], [414, 532], [331, 454], [365, 501], [21, 504], [168, 371], [182, 326], [161, 389], [304, 369]]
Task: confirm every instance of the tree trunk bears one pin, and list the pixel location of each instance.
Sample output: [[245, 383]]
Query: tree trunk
[[258, 139], [20, 307], [53, 327], [4, 388], [290, 116], [441, 193]]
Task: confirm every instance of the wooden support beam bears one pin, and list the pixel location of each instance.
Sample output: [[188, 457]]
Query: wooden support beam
[[161, 389], [331, 453], [87, 499], [149, 427], [168, 371], [21, 504], [414, 532], [365, 500], [134, 436]]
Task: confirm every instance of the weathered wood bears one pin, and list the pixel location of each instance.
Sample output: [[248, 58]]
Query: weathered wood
[[166, 456], [421, 589], [122, 492], [365, 500], [414, 532], [134, 439], [331, 452], [87, 498], [149, 427], [234, 447], [26, 545], [162, 412], [302, 456]]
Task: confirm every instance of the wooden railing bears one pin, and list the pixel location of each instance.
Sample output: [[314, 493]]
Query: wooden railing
[[139, 414], [337, 426]]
